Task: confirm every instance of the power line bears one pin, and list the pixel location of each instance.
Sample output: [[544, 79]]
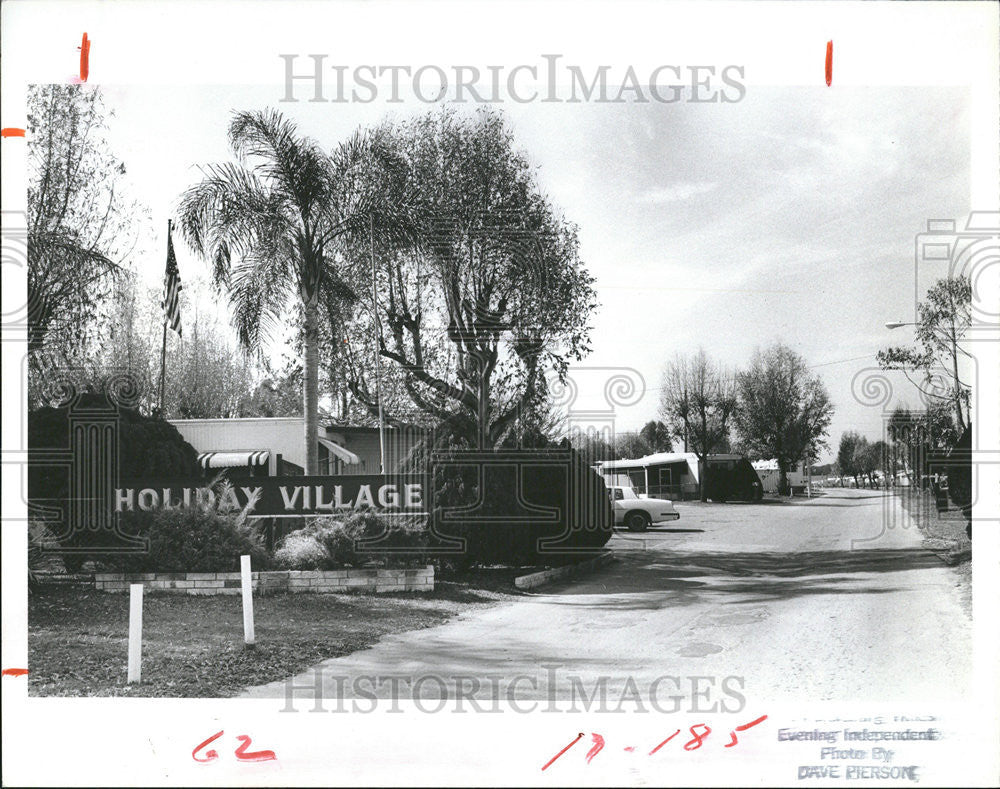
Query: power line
[[842, 361]]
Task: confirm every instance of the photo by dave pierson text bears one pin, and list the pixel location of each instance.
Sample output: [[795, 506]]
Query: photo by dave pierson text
[[895, 748]]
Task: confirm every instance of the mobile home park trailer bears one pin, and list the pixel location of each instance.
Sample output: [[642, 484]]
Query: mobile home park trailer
[[675, 476]]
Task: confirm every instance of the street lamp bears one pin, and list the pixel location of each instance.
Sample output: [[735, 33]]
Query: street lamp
[[897, 324]]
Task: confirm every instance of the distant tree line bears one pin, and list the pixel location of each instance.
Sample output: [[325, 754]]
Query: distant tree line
[[774, 409]]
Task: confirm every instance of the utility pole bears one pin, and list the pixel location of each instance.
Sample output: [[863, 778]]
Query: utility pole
[[378, 359]]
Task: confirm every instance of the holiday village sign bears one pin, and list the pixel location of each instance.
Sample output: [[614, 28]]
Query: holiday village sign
[[280, 496]]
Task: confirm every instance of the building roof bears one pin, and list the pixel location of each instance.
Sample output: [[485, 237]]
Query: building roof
[[340, 427], [657, 458], [215, 420]]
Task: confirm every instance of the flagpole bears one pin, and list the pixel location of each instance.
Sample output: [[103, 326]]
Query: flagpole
[[163, 347]]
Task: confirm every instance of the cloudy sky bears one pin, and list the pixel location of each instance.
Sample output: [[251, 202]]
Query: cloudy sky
[[789, 216]]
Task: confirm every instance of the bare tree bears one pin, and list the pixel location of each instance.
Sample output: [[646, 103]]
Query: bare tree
[[698, 399]]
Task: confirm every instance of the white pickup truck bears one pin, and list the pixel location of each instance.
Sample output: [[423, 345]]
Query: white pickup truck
[[636, 512]]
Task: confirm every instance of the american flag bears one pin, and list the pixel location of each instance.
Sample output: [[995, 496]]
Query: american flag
[[172, 289]]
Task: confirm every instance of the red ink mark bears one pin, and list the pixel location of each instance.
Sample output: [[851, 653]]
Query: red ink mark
[[751, 724], [744, 727], [695, 744], [11, 132], [209, 755], [664, 742], [630, 748], [829, 63], [14, 672], [596, 749], [85, 58], [549, 762], [252, 756]]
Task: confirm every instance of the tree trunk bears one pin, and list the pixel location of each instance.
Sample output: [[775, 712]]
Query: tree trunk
[[782, 478], [483, 411], [703, 479], [310, 386]]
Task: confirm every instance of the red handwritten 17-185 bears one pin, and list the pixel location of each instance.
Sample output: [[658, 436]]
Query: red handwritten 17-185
[[699, 733]]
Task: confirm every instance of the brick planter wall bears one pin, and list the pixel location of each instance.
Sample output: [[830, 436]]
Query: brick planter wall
[[419, 579], [65, 579]]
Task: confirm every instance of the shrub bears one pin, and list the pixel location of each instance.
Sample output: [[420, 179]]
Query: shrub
[[329, 543], [959, 472], [513, 513], [41, 542], [203, 538], [302, 551], [147, 447]]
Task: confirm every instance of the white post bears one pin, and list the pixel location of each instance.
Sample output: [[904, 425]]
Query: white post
[[248, 634], [135, 633]]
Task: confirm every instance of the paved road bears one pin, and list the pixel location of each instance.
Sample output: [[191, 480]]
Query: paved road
[[829, 599]]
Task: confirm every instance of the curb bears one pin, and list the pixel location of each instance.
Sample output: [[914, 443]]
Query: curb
[[532, 580]]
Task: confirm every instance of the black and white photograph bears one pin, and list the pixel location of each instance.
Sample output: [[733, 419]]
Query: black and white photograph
[[501, 394]]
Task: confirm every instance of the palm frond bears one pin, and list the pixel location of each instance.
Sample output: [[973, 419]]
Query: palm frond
[[270, 143], [258, 293], [227, 214]]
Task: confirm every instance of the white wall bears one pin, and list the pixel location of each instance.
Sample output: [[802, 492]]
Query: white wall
[[284, 436]]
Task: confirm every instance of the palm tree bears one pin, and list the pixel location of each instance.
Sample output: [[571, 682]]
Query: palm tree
[[269, 225]]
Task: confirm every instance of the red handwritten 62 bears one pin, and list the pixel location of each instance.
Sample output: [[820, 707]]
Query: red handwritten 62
[[242, 752]]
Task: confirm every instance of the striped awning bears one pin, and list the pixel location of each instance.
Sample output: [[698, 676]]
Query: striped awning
[[231, 459], [337, 450]]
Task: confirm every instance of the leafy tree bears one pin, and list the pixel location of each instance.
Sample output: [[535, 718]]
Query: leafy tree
[[653, 437], [698, 400], [80, 230], [917, 435], [629, 444], [867, 459], [269, 225], [350, 375], [881, 458], [783, 411], [116, 341], [657, 436], [278, 393], [79, 223], [207, 376], [488, 291], [848, 454], [943, 318]]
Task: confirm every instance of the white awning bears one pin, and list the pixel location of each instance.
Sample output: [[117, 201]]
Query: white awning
[[336, 449], [230, 459]]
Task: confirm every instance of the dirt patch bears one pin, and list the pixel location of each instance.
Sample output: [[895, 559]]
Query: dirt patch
[[943, 533]]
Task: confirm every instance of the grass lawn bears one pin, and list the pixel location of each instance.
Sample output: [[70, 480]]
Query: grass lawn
[[193, 646]]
